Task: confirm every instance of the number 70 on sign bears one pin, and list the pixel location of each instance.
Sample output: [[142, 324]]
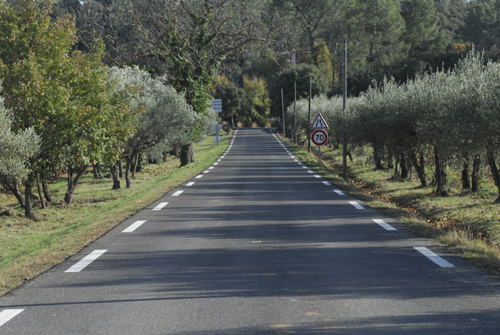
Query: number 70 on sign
[[319, 137]]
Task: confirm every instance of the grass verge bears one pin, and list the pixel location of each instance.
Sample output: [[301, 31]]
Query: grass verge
[[466, 223], [28, 248]]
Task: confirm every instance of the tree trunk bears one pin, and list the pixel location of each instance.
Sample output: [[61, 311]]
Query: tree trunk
[[465, 175], [114, 174], [475, 174], [377, 158], [28, 199], [46, 192], [72, 183], [494, 169], [187, 154], [404, 167], [440, 174], [97, 171], [42, 202], [120, 168], [420, 168], [128, 167], [14, 188]]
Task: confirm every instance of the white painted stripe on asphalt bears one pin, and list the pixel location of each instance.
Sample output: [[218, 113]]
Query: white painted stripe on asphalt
[[86, 261], [211, 168], [190, 184], [433, 257], [216, 163], [317, 176], [7, 314], [326, 183], [176, 194], [339, 192], [292, 156], [295, 160], [133, 226], [219, 160], [206, 171], [384, 225], [310, 171], [305, 167], [199, 176], [160, 206], [356, 205]]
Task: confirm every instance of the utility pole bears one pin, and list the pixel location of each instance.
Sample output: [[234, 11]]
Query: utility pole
[[309, 123], [344, 141], [283, 112], [294, 97]]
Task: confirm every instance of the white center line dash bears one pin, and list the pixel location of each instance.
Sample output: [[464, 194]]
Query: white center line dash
[[384, 225], [8, 314], [356, 205], [86, 261], [133, 227], [433, 257], [160, 206]]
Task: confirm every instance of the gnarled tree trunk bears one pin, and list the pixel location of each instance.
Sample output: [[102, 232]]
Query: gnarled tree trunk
[[187, 155], [494, 169], [73, 182], [465, 175], [377, 158], [475, 174], [440, 174], [28, 198], [14, 188], [420, 168], [46, 192], [114, 174]]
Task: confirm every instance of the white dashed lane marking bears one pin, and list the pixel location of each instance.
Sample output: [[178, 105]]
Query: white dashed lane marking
[[7, 314], [317, 176], [310, 171], [160, 206], [199, 176], [86, 261], [326, 183], [433, 257], [133, 226], [384, 225], [210, 168], [176, 194], [339, 192], [356, 205], [190, 184], [206, 171]]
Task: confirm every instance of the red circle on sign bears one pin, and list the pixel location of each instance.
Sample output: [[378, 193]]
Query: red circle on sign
[[319, 137]]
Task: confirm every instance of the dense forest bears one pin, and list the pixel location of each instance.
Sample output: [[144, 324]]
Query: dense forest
[[88, 84]]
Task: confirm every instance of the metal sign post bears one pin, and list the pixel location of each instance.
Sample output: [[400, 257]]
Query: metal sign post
[[217, 129]]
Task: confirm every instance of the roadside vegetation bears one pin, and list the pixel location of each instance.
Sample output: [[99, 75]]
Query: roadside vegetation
[[31, 247]]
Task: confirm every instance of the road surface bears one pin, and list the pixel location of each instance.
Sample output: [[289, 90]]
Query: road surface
[[257, 244]]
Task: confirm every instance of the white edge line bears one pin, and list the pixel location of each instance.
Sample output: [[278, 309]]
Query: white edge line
[[7, 314], [134, 226], [199, 176], [355, 204], [86, 261], [384, 225], [160, 206], [327, 183], [176, 194], [339, 192], [433, 257], [190, 183]]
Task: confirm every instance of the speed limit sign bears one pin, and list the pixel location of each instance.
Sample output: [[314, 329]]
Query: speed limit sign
[[319, 137]]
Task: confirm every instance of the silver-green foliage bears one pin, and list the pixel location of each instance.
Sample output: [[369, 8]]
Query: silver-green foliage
[[15, 149]]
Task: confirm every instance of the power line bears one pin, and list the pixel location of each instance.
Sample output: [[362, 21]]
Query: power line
[[400, 39]]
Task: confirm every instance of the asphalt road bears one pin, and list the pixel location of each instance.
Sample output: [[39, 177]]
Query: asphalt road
[[257, 244]]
